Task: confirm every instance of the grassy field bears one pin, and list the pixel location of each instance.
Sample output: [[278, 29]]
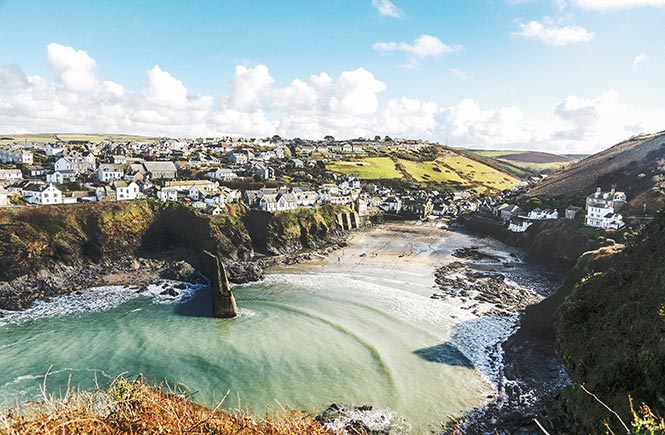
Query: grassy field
[[449, 168], [6, 139], [526, 163], [434, 171], [478, 174], [371, 168]]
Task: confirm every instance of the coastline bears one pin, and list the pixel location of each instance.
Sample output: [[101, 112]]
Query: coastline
[[479, 283], [140, 272]]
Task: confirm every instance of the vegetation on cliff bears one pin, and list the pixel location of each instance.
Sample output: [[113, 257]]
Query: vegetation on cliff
[[45, 251], [611, 332], [287, 232], [127, 407]]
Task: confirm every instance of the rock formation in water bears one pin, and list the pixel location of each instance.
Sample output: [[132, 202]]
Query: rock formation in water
[[224, 304]]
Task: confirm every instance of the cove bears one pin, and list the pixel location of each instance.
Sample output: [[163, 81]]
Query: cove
[[356, 328]]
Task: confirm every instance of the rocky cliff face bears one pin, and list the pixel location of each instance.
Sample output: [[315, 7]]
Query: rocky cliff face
[[289, 232], [33, 239], [47, 250], [561, 241]]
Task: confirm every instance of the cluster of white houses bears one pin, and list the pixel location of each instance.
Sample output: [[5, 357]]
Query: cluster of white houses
[[602, 211]]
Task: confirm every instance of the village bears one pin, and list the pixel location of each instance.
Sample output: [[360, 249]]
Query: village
[[269, 174]]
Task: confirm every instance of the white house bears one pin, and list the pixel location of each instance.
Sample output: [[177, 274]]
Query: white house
[[538, 214], [54, 150], [107, 172], [215, 211], [392, 204], [77, 164], [4, 197], [223, 174], [306, 198], [10, 175], [126, 191], [16, 155], [278, 202], [602, 208], [519, 225], [167, 194], [42, 194], [61, 177]]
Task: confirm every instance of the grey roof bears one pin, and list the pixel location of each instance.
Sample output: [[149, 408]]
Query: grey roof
[[159, 166]]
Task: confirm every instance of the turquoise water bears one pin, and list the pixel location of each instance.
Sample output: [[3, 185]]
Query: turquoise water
[[306, 338]]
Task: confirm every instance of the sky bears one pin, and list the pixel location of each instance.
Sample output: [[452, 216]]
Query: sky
[[565, 76]]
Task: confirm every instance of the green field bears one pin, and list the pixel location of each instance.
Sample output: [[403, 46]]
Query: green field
[[6, 139], [449, 168], [477, 174], [371, 168], [431, 171]]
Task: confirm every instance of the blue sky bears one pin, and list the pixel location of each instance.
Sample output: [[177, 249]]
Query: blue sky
[[564, 75]]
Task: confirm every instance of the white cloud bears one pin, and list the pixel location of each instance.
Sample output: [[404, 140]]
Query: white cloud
[[421, 48], [640, 59], [74, 68], [387, 8], [549, 33], [248, 86], [165, 90], [344, 106], [355, 92], [598, 122], [613, 5]]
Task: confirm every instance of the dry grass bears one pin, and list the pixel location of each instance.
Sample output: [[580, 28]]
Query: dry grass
[[132, 408]]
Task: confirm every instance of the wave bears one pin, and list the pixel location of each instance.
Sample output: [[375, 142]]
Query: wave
[[99, 299], [478, 338], [376, 355]]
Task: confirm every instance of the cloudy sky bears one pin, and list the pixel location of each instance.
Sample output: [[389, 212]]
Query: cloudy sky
[[555, 75]]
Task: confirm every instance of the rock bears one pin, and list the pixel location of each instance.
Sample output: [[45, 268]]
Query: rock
[[224, 304], [243, 272], [169, 292], [181, 271]]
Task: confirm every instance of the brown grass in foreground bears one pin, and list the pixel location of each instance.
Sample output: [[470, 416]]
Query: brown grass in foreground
[[133, 408]]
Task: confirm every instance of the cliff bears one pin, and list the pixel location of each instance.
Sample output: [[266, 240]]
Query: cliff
[[559, 241], [289, 232], [610, 333], [49, 250]]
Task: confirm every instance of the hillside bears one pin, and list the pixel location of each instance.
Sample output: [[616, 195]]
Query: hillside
[[526, 163], [611, 334], [67, 137], [634, 166], [435, 166], [45, 251]]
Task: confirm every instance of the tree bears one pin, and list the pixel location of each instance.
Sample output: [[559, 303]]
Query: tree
[[329, 138]]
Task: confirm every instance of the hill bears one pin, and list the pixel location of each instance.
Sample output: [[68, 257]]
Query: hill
[[525, 163], [6, 139], [610, 333], [634, 166], [435, 166]]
